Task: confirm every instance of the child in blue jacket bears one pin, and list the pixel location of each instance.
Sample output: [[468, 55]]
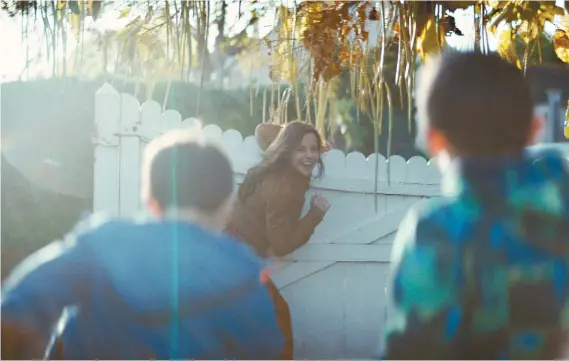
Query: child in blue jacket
[[482, 271], [171, 287]]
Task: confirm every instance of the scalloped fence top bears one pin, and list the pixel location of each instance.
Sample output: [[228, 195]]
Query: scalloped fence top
[[122, 114]]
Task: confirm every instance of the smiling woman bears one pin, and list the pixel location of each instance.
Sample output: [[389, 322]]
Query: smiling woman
[[270, 201]]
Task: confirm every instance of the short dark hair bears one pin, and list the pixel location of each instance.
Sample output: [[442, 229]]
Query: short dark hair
[[183, 170], [482, 103]]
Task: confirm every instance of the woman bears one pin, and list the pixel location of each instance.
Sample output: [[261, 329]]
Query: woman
[[270, 200]]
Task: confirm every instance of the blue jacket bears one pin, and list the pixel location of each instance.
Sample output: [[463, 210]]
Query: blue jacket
[[482, 272], [149, 290]]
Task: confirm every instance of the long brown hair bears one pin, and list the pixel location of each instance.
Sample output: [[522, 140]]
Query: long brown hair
[[278, 155]]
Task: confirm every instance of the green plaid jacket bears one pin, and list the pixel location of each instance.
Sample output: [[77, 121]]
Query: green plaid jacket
[[483, 271]]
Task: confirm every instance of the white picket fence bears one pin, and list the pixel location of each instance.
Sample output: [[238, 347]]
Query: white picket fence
[[335, 283]]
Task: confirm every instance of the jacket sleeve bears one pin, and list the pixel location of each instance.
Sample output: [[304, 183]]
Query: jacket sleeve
[[35, 295], [249, 326], [422, 297], [285, 230]]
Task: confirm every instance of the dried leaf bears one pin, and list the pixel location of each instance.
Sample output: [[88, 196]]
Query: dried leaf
[[61, 5], [503, 12], [449, 23], [528, 31], [506, 47], [496, 4], [75, 21], [284, 62], [430, 41], [373, 15], [284, 65], [331, 71], [561, 45], [547, 11], [395, 27]]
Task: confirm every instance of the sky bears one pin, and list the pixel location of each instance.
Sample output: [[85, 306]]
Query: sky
[[13, 61]]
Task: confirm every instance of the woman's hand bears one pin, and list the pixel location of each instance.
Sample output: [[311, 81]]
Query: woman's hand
[[320, 203]]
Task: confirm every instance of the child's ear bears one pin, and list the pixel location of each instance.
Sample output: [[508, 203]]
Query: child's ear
[[154, 207], [436, 142], [536, 130]]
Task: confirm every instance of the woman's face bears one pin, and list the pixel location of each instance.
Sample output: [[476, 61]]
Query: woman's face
[[306, 155]]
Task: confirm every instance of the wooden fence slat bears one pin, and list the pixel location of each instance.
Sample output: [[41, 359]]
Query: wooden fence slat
[[106, 192], [374, 229], [342, 253], [297, 271], [130, 162]]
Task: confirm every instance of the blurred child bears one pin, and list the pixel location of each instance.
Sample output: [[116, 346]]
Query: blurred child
[[483, 271], [173, 287], [269, 204]]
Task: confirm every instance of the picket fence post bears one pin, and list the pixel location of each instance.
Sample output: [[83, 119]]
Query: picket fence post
[[106, 166]]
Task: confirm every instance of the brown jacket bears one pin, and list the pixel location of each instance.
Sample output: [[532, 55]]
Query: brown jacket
[[269, 219]]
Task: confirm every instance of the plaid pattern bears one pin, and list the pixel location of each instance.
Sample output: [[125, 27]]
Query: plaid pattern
[[483, 271]]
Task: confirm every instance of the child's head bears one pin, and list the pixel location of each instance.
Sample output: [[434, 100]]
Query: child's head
[[186, 175], [474, 104]]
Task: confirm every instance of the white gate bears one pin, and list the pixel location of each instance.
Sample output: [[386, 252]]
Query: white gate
[[335, 283]]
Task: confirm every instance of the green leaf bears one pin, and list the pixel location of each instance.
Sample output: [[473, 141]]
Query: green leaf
[[124, 13]]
